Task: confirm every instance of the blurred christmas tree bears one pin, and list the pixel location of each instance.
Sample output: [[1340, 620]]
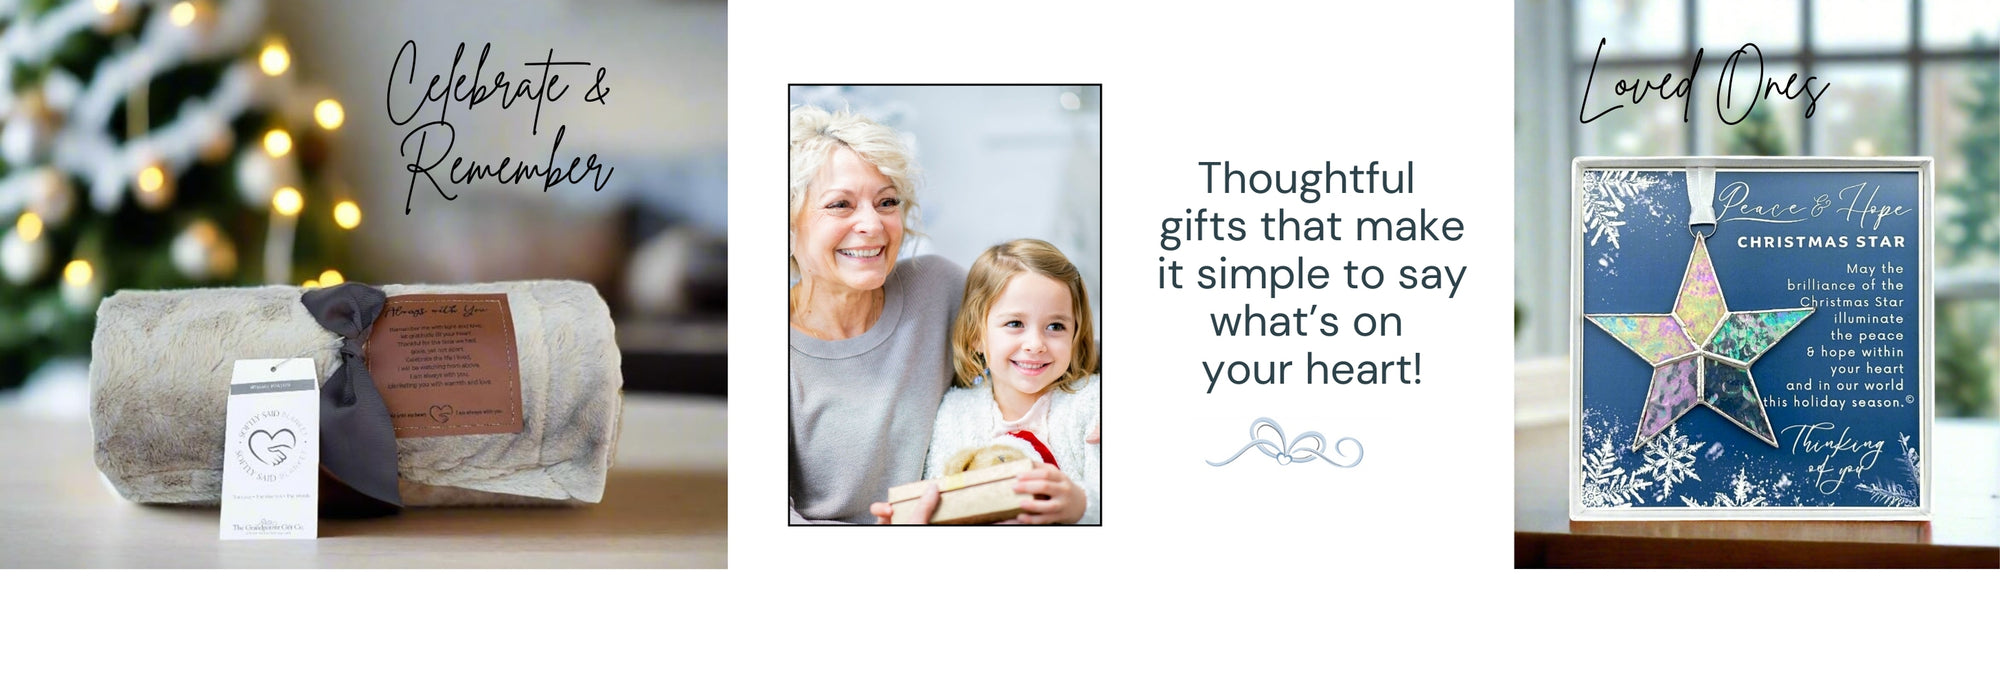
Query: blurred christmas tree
[[1975, 227], [1968, 331], [148, 145], [1757, 135]]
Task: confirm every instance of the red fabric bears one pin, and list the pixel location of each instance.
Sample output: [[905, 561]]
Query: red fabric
[[1029, 437]]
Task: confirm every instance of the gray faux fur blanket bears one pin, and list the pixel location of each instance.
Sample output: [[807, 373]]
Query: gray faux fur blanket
[[161, 361]]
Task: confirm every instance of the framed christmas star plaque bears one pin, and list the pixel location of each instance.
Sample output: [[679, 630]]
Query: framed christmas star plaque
[[1751, 338]]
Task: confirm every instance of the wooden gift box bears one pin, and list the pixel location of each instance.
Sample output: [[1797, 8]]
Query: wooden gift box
[[979, 496]]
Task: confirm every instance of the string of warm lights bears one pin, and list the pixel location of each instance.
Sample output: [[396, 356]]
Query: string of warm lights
[[86, 148], [287, 201], [148, 161]]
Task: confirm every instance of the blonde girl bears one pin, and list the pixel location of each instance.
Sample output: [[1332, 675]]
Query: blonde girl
[[1024, 354]]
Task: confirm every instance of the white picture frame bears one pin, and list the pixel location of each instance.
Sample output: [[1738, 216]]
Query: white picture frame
[[1926, 180]]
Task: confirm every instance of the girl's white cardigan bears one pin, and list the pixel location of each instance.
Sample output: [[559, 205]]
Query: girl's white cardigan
[[969, 417]]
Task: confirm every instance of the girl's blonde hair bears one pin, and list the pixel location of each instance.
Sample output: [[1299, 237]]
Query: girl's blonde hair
[[816, 132], [989, 275]]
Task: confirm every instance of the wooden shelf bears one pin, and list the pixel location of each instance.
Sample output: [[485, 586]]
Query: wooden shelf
[[1964, 530], [665, 506]]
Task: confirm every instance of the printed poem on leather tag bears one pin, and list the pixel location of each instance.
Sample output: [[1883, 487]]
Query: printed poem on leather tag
[[270, 453], [446, 364]]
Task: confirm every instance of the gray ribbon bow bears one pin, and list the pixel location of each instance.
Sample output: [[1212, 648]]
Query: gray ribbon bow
[[357, 442]]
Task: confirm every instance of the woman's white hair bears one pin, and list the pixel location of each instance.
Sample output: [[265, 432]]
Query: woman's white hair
[[815, 133]]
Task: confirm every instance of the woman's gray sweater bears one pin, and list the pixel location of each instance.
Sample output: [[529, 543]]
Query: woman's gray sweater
[[861, 408]]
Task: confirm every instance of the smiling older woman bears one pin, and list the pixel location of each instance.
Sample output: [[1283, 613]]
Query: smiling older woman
[[870, 338]]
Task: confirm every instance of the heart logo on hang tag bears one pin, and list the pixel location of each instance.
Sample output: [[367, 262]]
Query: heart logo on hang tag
[[274, 447], [441, 414]]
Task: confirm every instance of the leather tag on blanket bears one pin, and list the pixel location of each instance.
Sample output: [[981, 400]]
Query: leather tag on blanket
[[446, 364]]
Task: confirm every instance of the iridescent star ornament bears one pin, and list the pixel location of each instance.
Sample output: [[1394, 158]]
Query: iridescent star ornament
[[1702, 351]]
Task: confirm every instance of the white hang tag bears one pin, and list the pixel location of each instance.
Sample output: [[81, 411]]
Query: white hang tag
[[270, 453]]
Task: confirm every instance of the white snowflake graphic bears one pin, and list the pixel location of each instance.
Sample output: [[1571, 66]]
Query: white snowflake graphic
[[1893, 494], [1605, 484], [1744, 492], [1605, 197], [1670, 460], [1594, 426]]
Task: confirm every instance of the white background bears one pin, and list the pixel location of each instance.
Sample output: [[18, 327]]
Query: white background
[[1400, 568]]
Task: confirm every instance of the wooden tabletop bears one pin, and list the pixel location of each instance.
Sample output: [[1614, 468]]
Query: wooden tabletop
[[665, 505], [1964, 530]]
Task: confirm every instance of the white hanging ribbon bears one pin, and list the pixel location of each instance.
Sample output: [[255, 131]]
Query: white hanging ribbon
[[1701, 195]]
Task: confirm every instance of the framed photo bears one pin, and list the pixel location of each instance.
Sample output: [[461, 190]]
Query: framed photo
[[1750, 338], [936, 340]]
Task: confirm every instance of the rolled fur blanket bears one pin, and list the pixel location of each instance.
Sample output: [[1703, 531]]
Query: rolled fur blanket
[[160, 369]]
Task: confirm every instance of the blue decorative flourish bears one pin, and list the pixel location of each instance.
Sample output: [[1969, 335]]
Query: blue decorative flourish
[[1287, 453]]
